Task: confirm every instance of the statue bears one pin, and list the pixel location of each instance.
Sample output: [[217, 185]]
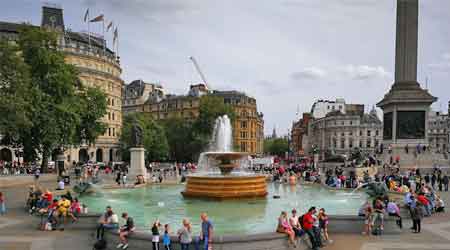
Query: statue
[[136, 134], [376, 189]]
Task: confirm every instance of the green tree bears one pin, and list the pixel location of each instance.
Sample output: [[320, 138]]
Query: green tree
[[154, 138], [62, 112], [276, 146]]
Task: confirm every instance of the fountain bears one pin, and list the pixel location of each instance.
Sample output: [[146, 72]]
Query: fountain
[[230, 182]]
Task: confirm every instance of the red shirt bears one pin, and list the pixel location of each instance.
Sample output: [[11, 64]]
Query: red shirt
[[48, 196], [308, 221], [423, 200], [54, 205]]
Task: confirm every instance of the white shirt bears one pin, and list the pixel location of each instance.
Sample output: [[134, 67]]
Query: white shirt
[[61, 184], [114, 219]]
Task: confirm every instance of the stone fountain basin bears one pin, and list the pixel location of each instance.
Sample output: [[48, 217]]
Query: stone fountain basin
[[226, 155]]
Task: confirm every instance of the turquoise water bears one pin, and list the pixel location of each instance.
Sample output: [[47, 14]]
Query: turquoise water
[[248, 216]]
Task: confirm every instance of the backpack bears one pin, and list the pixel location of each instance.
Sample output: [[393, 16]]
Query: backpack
[[100, 244], [300, 220]]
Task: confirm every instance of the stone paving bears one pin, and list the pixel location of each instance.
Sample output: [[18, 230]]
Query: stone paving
[[18, 231]]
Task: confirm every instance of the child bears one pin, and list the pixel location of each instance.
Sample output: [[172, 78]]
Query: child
[[368, 220], [155, 235], [166, 237], [2, 204], [323, 223]]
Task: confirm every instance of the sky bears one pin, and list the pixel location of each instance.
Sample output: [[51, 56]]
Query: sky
[[285, 53]]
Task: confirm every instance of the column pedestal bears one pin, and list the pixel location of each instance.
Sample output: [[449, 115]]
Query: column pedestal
[[137, 164]]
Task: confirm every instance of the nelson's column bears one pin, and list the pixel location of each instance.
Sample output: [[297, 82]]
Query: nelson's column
[[406, 105]]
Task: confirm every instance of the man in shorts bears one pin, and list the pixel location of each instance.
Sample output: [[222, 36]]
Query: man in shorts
[[125, 230]]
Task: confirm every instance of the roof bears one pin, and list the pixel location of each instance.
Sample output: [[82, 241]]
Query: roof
[[77, 36]]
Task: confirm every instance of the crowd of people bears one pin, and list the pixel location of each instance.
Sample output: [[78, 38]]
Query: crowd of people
[[54, 211], [17, 168], [160, 233], [312, 224]]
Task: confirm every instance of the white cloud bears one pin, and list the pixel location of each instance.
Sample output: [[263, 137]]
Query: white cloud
[[309, 73], [362, 72]]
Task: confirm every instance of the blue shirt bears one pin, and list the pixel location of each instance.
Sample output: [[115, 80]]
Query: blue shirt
[[206, 225], [166, 239]]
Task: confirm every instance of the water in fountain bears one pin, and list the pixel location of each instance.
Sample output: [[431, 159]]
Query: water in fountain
[[221, 142]]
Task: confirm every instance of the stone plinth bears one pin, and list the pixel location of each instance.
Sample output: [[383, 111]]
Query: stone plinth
[[137, 164]]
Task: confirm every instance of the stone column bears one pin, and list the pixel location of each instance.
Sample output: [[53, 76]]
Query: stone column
[[137, 164], [406, 40]]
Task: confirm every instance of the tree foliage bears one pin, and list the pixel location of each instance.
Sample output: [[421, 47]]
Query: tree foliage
[[154, 138], [55, 110], [276, 146]]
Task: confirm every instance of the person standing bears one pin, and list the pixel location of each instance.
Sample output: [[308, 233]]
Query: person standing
[[445, 181], [417, 216], [206, 234], [2, 204], [185, 235], [155, 235], [166, 237]]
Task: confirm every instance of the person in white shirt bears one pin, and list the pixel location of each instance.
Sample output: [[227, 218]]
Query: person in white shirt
[[60, 185]]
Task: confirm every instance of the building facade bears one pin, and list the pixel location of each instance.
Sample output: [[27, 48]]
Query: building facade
[[438, 131], [321, 108], [339, 133], [138, 92], [248, 127], [299, 135], [99, 67]]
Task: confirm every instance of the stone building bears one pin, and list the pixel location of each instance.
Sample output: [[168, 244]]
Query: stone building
[[321, 108], [98, 67], [438, 131], [138, 92], [339, 133], [299, 135], [248, 127]]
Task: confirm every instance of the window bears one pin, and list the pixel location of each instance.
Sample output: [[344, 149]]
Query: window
[[109, 116], [342, 143], [114, 132], [328, 107], [350, 143], [360, 144], [351, 122], [342, 134], [243, 146], [243, 134], [334, 143], [376, 143], [360, 133], [243, 124], [112, 102], [113, 116], [376, 132], [368, 132], [109, 131], [350, 133], [340, 107], [343, 123], [368, 143]]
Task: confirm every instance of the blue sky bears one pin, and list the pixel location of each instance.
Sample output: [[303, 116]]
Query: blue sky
[[285, 53]]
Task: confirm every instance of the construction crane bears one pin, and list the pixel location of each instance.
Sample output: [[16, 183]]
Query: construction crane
[[198, 70]]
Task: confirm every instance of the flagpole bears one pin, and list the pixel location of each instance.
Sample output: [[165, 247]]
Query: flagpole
[[89, 31], [104, 38]]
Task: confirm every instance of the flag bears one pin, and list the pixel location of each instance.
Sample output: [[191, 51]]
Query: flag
[[86, 16], [97, 19], [109, 26]]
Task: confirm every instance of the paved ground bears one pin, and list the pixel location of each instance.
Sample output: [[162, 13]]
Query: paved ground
[[18, 231]]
